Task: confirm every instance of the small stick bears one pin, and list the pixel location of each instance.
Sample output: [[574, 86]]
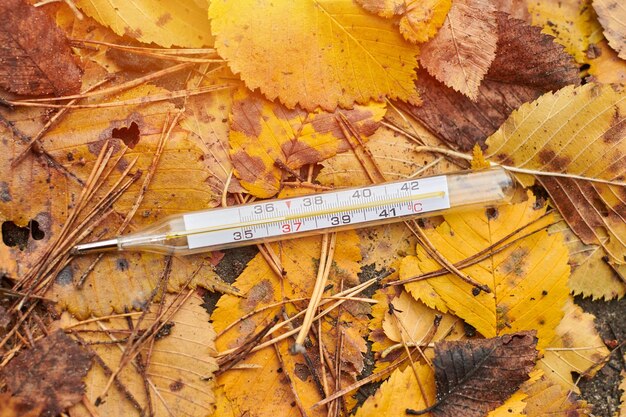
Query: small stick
[[326, 257]]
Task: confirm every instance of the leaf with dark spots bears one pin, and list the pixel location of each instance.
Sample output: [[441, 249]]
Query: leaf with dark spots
[[269, 141], [50, 374], [18, 236], [35, 58], [474, 377], [18, 407], [129, 135], [576, 132], [527, 64]]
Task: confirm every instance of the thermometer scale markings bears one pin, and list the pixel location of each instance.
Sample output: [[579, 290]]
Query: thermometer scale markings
[[270, 219]]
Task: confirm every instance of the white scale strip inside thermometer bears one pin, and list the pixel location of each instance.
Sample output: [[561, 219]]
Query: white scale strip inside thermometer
[[273, 219]]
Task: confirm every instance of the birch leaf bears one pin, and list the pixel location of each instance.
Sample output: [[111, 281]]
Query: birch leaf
[[527, 64], [622, 386], [528, 279], [179, 374], [545, 397], [609, 281], [464, 48], [314, 53], [612, 16], [183, 23], [418, 21], [606, 67], [555, 134], [266, 138]]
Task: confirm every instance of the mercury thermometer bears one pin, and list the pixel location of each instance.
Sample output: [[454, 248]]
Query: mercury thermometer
[[283, 218]]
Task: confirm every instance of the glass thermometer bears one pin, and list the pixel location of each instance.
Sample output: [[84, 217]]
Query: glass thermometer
[[348, 208]]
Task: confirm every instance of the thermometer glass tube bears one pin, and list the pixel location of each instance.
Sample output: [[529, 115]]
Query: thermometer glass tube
[[349, 208]]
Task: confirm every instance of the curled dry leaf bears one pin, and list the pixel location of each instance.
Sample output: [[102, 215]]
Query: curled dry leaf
[[50, 375], [418, 21], [269, 141], [261, 288], [528, 275], [579, 131], [179, 374], [183, 23], [577, 348], [474, 377], [527, 64], [464, 48], [35, 58], [612, 16], [314, 53]]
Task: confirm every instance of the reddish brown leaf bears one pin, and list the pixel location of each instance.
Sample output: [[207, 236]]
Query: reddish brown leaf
[[527, 64], [50, 374], [474, 377], [35, 57]]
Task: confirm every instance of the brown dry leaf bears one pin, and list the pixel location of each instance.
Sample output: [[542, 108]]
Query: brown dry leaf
[[314, 52], [265, 389], [527, 64], [267, 140], [418, 20], [18, 407], [586, 261], [573, 23], [464, 48], [528, 278], [183, 23], [612, 16], [35, 58], [576, 348], [476, 376], [50, 374], [547, 398], [180, 369], [401, 391], [576, 131]]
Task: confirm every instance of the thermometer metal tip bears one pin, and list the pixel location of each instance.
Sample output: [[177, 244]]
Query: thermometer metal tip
[[99, 246]]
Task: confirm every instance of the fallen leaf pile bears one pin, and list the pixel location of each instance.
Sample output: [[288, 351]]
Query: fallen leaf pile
[[114, 115]]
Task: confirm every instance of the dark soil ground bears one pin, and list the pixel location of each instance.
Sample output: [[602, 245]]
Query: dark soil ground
[[602, 390]]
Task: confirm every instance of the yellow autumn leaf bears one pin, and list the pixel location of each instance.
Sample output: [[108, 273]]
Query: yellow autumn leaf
[[268, 140], [622, 386], [418, 20], [263, 390], [120, 281], [576, 347], [576, 131], [612, 16], [183, 23], [464, 48], [314, 52], [401, 391], [609, 281], [528, 278], [606, 67], [179, 374], [572, 23]]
